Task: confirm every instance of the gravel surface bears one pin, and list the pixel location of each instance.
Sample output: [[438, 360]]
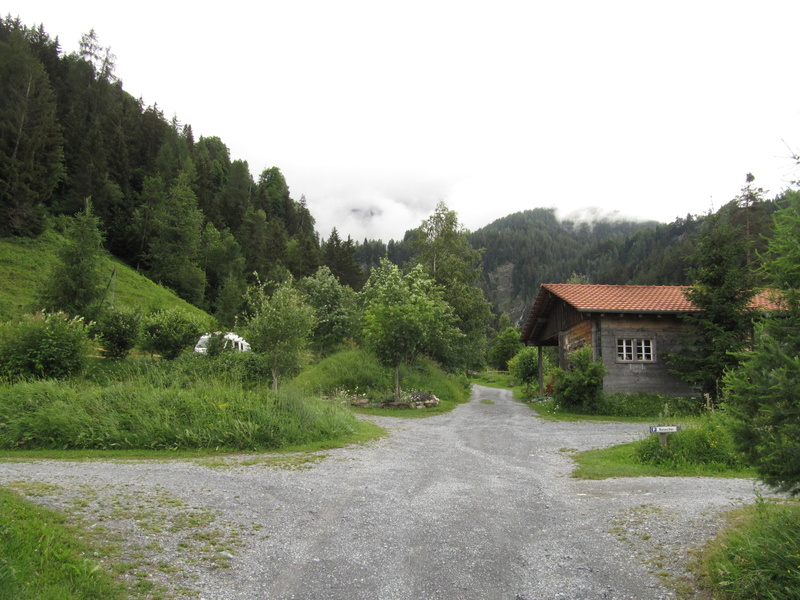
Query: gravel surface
[[474, 504]]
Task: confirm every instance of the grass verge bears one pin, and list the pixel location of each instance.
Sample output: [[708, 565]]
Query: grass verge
[[757, 557], [621, 461], [43, 558], [548, 411]]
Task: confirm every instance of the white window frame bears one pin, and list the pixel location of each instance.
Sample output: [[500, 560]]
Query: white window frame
[[636, 350]]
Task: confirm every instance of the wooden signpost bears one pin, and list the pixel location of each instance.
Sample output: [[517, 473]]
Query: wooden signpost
[[662, 431]]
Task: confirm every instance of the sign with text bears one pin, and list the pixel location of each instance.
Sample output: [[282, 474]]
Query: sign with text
[[664, 429]]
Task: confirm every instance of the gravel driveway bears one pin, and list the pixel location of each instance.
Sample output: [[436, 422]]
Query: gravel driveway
[[474, 504]]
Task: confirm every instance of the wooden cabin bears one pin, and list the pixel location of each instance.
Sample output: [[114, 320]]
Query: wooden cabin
[[631, 328]]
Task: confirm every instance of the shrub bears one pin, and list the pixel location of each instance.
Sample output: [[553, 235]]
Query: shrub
[[216, 345], [525, 366], [647, 405], [241, 367], [44, 345], [118, 330], [504, 348], [581, 385], [167, 332]]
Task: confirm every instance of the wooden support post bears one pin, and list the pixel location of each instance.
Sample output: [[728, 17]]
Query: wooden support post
[[541, 374]]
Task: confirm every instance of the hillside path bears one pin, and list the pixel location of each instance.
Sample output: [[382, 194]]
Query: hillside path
[[474, 504]]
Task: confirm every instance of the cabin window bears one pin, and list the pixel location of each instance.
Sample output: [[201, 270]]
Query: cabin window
[[635, 350]]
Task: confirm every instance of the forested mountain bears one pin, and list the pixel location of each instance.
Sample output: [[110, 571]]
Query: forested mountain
[[187, 214], [181, 210], [529, 248]]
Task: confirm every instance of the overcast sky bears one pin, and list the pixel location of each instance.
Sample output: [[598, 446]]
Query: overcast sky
[[376, 110]]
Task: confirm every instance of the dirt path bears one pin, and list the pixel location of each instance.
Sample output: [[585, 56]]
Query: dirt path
[[475, 504]]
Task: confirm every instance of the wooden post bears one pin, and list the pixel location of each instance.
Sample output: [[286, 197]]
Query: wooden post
[[662, 431], [541, 374]]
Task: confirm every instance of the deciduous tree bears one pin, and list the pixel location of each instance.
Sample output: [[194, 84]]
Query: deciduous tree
[[335, 307], [445, 254], [279, 327], [504, 347], [405, 316]]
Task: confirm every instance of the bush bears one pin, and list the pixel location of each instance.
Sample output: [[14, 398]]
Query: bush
[[647, 405], [168, 332], [580, 386], [216, 345], [504, 348], [118, 330], [524, 366], [710, 444], [44, 345]]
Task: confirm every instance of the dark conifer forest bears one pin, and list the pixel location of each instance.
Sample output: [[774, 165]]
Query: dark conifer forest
[[188, 214]]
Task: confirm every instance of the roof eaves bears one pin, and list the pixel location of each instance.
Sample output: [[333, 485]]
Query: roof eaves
[[635, 311]]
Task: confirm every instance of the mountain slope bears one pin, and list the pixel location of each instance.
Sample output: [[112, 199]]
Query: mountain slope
[[25, 262], [527, 249]]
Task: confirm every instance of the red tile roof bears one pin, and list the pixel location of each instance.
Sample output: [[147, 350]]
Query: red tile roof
[[623, 299]]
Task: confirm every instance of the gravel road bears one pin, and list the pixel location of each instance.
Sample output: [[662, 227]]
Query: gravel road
[[474, 504]]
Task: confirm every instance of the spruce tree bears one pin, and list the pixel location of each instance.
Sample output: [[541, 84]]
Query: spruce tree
[[722, 292], [30, 138], [763, 394], [75, 282]]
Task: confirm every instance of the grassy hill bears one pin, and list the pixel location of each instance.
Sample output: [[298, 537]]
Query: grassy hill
[[25, 262]]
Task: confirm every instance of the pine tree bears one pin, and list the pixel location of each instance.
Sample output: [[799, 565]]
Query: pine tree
[[74, 285], [174, 245], [763, 393], [722, 292], [30, 139]]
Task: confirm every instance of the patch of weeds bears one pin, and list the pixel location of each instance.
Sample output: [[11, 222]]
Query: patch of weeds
[[194, 518], [487, 401], [287, 462], [190, 536], [36, 489], [645, 529]]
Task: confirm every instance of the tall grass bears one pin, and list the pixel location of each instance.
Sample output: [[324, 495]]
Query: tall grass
[[358, 372], [622, 406], [648, 405], [709, 443], [153, 406], [758, 557], [41, 558], [355, 371]]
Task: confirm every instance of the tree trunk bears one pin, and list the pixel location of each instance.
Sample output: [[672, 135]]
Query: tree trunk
[[397, 384], [274, 380]]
